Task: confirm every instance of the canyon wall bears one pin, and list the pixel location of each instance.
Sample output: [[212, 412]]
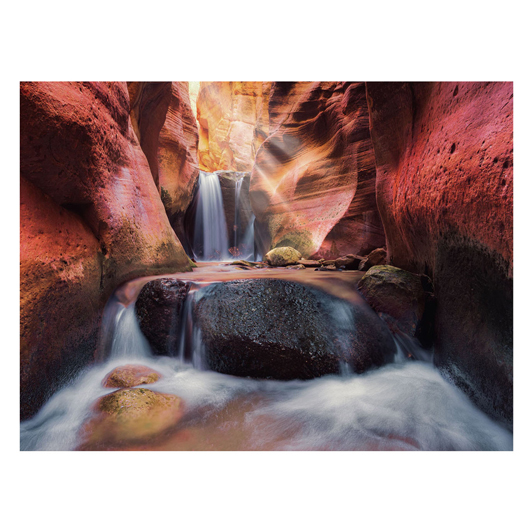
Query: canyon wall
[[313, 181], [444, 155], [91, 218], [233, 123], [162, 117]]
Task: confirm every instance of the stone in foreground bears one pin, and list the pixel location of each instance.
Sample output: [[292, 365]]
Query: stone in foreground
[[277, 329], [130, 375], [132, 415], [282, 256]]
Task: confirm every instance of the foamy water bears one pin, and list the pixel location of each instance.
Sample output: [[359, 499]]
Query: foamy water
[[406, 405]]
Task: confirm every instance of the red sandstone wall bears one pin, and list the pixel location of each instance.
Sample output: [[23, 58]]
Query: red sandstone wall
[[444, 154], [444, 163], [91, 218], [167, 130]]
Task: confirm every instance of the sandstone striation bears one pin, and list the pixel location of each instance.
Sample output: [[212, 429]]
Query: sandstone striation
[[167, 130], [313, 181]]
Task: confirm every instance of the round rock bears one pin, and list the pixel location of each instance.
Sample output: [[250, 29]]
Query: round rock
[[272, 328]]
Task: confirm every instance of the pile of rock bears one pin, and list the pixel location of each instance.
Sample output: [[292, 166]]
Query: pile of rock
[[291, 258]]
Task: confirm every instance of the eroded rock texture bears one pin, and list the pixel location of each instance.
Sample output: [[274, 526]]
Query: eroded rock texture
[[167, 130], [271, 328], [444, 154], [313, 182], [91, 218], [233, 122]]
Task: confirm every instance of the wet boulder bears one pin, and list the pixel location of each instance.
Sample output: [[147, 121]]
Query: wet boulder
[[404, 300], [130, 375], [375, 258], [158, 308], [272, 328], [131, 415], [282, 256], [350, 262]]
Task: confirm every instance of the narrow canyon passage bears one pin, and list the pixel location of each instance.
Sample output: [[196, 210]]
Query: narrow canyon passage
[[266, 266]]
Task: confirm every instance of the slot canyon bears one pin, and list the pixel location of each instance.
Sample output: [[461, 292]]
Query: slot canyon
[[266, 266]]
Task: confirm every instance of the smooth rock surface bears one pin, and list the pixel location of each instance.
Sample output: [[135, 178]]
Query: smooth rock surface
[[131, 415], [313, 181], [233, 122], [375, 258], [130, 375], [167, 130], [282, 256]]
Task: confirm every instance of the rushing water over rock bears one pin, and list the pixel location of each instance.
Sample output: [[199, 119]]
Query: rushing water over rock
[[406, 405], [243, 235], [210, 231]]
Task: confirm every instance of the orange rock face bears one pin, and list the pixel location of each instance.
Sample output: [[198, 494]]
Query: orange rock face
[[444, 154], [165, 125], [233, 122], [130, 375], [313, 182], [91, 218]]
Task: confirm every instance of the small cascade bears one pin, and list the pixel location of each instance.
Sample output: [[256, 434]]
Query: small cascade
[[190, 344], [238, 188], [128, 340], [244, 240], [406, 404], [210, 231]]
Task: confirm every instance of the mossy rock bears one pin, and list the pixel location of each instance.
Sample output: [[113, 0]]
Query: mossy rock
[[132, 415], [282, 256]]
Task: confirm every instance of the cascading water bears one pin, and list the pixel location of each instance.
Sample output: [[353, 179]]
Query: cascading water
[[210, 230], [244, 241], [405, 405]]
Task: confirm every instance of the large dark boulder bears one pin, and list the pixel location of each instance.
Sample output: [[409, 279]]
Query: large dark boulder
[[403, 299], [158, 310], [271, 328]]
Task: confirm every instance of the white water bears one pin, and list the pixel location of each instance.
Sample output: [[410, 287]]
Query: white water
[[406, 405], [246, 243], [210, 231]]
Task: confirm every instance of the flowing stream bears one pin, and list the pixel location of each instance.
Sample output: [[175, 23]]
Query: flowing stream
[[405, 405]]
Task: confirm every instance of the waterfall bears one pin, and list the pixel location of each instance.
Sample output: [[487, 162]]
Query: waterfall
[[238, 187], [128, 340], [244, 241], [210, 231]]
